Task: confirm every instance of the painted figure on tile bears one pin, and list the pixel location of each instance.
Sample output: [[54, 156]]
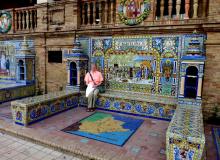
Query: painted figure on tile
[[167, 69], [4, 21], [130, 68], [19, 116]]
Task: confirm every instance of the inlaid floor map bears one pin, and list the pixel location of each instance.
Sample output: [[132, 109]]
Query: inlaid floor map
[[105, 127]]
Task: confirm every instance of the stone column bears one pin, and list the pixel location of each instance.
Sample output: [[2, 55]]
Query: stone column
[[195, 9], [106, 12], [78, 74], [94, 13], [170, 3], [25, 71], [182, 84], [112, 11], [178, 3], [204, 8], [100, 12], [199, 88], [17, 71], [85, 14], [89, 13], [33, 70], [161, 9], [82, 16], [68, 73], [187, 5]]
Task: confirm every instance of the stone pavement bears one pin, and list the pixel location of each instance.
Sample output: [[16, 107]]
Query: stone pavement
[[12, 148], [148, 142]]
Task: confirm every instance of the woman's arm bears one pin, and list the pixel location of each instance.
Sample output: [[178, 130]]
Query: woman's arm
[[86, 79]]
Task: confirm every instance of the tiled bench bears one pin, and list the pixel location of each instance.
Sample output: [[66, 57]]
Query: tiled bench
[[10, 92], [185, 137], [29, 110], [135, 104]]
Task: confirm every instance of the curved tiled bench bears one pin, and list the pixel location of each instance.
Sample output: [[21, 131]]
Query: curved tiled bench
[[29, 110], [185, 137], [144, 105]]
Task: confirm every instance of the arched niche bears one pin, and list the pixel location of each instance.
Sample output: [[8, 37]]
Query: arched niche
[[21, 70], [73, 74], [191, 82]]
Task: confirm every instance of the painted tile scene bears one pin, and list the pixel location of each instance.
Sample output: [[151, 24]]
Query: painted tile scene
[[110, 80]]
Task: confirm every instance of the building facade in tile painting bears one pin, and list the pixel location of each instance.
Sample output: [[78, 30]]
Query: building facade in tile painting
[[159, 60]]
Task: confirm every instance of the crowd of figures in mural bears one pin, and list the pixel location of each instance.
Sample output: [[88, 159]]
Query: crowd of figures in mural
[[147, 64]]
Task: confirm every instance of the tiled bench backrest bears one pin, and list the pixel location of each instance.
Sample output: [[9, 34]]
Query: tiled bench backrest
[[185, 134], [135, 104], [32, 109]]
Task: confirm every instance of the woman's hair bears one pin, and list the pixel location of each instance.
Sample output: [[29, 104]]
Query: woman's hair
[[94, 64]]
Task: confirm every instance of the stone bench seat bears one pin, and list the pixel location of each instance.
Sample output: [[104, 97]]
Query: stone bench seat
[[185, 134], [29, 110], [144, 105]]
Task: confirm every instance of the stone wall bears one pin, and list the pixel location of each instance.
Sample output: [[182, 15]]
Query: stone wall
[[54, 77], [211, 85], [214, 11]]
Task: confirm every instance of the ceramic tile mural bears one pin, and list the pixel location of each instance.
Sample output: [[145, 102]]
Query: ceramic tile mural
[[198, 39], [139, 63], [8, 50], [143, 63]]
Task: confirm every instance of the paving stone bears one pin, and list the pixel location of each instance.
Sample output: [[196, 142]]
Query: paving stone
[[23, 150]]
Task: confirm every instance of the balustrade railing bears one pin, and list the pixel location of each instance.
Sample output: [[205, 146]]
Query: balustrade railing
[[103, 13], [180, 9], [25, 19], [97, 12]]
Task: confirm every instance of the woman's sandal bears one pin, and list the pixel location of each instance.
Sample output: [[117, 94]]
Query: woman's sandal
[[93, 110], [88, 110]]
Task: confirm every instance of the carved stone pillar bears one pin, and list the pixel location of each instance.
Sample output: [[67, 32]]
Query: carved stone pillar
[[112, 11], [68, 74], [82, 16], [86, 13], [178, 5], [170, 3], [195, 9], [94, 13], [161, 9], [187, 5], [204, 8], [89, 13], [182, 84], [21, 20], [199, 90], [106, 12], [100, 12], [155, 10]]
